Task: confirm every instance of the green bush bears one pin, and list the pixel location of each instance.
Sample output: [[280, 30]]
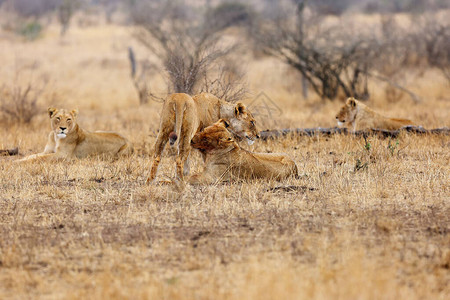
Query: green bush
[[31, 30]]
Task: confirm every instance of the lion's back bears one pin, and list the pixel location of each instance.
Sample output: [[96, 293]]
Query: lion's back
[[101, 142], [208, 107], [368, 118], [381, 122]]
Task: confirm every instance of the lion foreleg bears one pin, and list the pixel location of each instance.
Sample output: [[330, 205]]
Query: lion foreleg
[[50, 147]]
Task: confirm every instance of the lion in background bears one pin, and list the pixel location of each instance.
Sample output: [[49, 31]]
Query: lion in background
[[356, 115], [182, 116], [67, 140], [226, 160]]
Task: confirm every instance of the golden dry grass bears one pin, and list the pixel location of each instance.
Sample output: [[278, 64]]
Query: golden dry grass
[[357, 224]]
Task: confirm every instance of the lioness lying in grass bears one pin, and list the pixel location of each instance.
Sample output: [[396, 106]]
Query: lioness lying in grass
[[226, 160], [67, 140], [357, 115]]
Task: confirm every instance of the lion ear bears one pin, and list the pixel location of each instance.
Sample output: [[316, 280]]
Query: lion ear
[[52, 111], [351, 102], [74, 112], [239, 109], [224, 123]]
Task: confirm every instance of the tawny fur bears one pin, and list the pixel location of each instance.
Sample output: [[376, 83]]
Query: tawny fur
[[226, 160], [68, 140], [182, 116], [357, 116]]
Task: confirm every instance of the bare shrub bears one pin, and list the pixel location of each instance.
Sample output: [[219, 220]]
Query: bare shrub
[[228, 83], [230, 14], [110, 7], [187, 42], [424, 44], [334, 58], [66, 10], [331, 59], [435, 38], [18, 103]]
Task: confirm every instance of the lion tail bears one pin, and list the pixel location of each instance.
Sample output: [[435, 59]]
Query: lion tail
[[179, 112]]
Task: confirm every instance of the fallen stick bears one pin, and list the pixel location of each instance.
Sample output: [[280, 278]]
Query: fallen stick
[[272, 134], [9, 152]]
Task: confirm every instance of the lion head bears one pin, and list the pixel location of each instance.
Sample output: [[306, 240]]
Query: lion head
[[214, 137], [347, 113], [244, 124], [62, 121]]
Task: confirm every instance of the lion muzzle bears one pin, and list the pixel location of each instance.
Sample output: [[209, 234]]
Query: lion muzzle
[[250, 141]]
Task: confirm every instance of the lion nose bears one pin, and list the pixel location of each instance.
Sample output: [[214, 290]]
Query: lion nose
[[257, 136], [62, 128]]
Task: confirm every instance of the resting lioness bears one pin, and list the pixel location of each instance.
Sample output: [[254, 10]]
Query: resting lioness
[[357, 115], [67, 140], [182, 116], [226, 160]]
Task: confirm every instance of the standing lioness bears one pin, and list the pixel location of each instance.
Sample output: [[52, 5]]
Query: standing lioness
[[67, 140], [226, 160], [357, 115], [182, 116]]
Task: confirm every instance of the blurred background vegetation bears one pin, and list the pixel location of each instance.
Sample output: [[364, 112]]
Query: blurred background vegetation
[[202, 45]]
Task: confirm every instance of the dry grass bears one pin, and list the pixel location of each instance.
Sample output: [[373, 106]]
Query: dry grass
[[358, 224]]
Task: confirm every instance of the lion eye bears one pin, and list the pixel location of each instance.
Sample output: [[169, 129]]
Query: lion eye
[[58, 119], [68, 120], [252, 122]]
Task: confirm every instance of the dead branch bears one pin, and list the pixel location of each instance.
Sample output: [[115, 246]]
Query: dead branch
[[9, 152], [140, 80], [273, 134]]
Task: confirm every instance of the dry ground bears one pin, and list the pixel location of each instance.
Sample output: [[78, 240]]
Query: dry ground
[[358, 224]]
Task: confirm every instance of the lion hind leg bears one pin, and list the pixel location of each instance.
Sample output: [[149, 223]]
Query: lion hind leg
[[182, 162], [160, 143]]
